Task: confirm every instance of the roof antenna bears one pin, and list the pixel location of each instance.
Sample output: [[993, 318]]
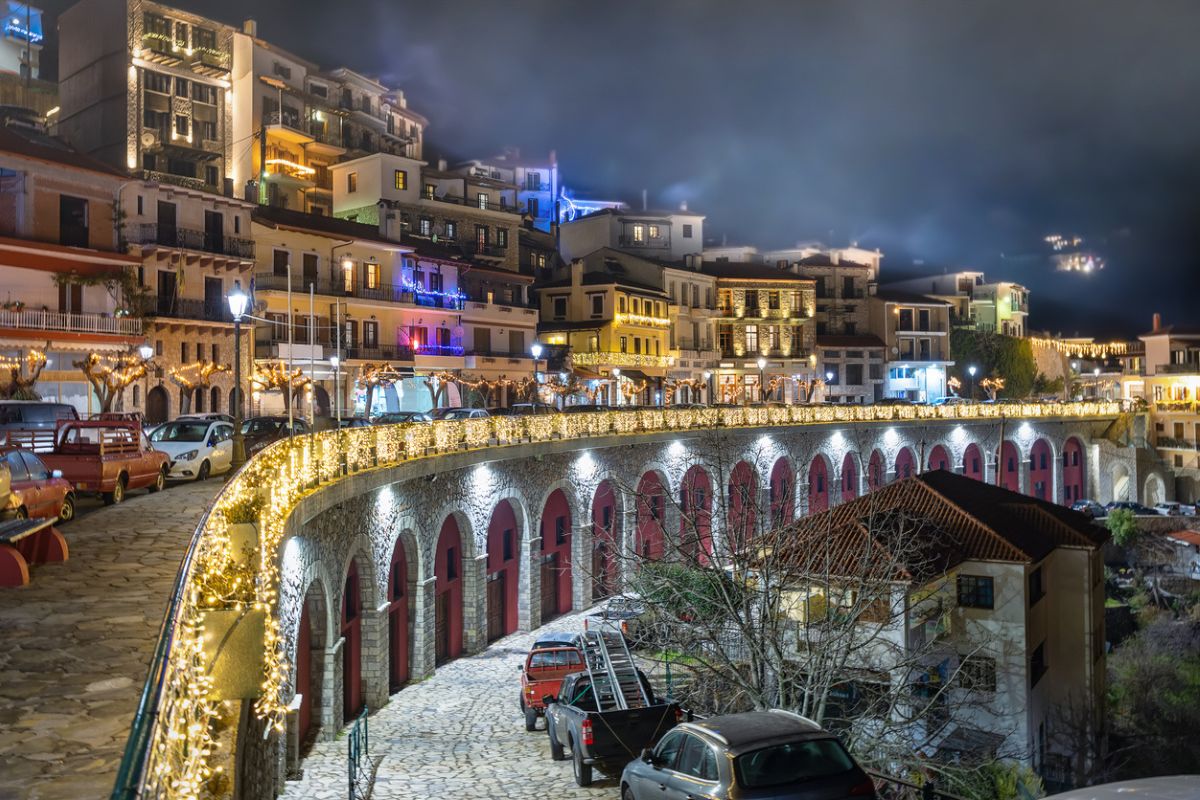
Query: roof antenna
[[643, 199]]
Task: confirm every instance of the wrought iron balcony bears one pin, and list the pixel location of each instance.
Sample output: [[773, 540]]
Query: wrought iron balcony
[[184, 308], [268, 281], [174, 236]]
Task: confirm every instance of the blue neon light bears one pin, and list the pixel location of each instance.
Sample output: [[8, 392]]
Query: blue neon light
[[23, 23]]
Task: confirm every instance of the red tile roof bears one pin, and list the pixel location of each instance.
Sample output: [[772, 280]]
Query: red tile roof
[[1187, 537]]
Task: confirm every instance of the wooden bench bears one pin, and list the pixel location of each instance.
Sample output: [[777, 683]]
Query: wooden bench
[[28, 541]]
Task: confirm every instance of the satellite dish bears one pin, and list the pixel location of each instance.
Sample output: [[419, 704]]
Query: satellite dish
[[895, 351], [149, 139]]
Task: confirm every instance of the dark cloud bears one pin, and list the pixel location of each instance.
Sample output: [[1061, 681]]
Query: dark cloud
[[956, 132]]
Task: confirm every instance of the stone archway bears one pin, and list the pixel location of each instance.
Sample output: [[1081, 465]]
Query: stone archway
[[1041, 471], [606, 558], [695, 504], [782, 497], [939, 458], [1122, 485], [973, 462], [876, 471], [849, 477], [818, 485], [309, 679], [1154, 490], [402, 585], [158, 405], [649, 541], [1010, 467], [741, 515], [1074, 471], [351, 629], [906, 464], [502, 571], [448, 593], [556, 555]]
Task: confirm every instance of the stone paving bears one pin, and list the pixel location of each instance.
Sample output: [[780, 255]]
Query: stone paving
[[458, 734], [76, 643]]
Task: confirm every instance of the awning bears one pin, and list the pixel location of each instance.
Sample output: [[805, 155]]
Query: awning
[[587, 374], [635, 375]]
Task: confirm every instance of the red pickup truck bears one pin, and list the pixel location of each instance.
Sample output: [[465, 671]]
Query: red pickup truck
[[542, 675], [105, 457]]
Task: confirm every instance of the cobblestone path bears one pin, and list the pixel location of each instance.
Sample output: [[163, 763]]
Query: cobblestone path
[[76, 643], [458, 735]]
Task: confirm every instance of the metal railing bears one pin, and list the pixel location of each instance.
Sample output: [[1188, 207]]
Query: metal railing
[[185, 308], [358, 751], [269, 281], [175, 236], [171, 729], [76, 323], [473, 202]]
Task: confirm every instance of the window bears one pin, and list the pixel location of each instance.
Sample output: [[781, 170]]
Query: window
[[183, 352], [156, 82], [854, 374], [280, 260], [560, 530], [400, 178], [697, 759], [451, 563], [351, 182], [207, 130], [975, 591], [204, 39], [182, 125], [425, 226], [451, 230], [597, 305], [1036, 590], [977, 673], [773, 300], [923, 320], [752, 302], [282, 70], [906, 319], [501, 237], [751, 338], [1037, 664], [481, 237], [372, 274], [181, 87], [621, 303], [624, 344], [370, 334], [508, 549], [481, 200], [348, 276], [72, 221], [653, 231], [560, 307], [639, 234], [687, 231]]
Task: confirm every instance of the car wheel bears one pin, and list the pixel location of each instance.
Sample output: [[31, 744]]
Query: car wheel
[[205, 468], [67, 512], [160, 482], [117, 494], [556, 749], [627, 792], [583, 772], [22, 513], [530, 719]]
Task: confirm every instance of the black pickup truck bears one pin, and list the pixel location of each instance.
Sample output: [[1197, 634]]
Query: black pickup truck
[[605, 739]]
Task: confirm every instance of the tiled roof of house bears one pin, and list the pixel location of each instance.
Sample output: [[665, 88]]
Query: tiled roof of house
[[42, 147]]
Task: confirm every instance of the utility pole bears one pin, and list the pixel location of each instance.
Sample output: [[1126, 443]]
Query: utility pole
[[312, 370], [262, 174], [337, 360], [1000, 455], [287, 397]]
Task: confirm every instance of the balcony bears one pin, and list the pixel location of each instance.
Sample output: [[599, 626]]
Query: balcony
[[186, 181], [183, 308], [73, 323], [475, 249], [450, 349], [776, 353], [268, 281], [379, 353], [1172, 443], [1175, 407], [151, 233], [289, 127], [474, 203], [629, 241], [615, 359]]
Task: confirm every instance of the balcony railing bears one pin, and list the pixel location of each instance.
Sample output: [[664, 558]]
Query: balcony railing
[[174, 236], [186, 181], [388, 294], [488, 250], [473, 202], [184, 308], [611, 359], [451, 349], [74, 323], [1177, 444], [777, 352], [379, 353], [1176, 406]]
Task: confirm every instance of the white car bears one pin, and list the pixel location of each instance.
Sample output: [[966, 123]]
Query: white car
[[197, 447]]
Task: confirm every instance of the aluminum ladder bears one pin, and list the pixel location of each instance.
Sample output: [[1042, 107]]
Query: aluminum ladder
[[612, 672]]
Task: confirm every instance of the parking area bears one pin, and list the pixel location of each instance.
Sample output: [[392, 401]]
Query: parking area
[[459, 734]]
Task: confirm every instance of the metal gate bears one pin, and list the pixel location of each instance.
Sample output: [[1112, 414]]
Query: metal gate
[[358, 754]]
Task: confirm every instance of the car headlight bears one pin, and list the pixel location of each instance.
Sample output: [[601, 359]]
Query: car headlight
[[188, 456]]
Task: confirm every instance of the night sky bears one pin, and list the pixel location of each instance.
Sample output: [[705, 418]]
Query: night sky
[[957, 133]]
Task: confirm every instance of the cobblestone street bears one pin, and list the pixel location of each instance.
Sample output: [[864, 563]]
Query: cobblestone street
[[459, 734], [77, 643]]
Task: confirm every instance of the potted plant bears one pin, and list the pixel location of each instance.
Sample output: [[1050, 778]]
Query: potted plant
[[14, 305]]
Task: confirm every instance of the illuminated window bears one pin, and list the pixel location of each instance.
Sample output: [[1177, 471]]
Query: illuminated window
[[348, 275], [624, 344], [451, 230], [751, 338], [182, 125], [653, 231], [426, 226], [401, 179], [501, 237], [639, 234], [482, 199], [372, 275]]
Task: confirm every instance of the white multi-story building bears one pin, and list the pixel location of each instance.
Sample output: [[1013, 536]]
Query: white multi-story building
[[999, 307], [667, 236], [537, 181], [916, 335]]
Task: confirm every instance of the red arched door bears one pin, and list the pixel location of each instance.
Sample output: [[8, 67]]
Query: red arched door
[[1010, 463], [304, 681], [604, 550], [502, 577], [939, 458], [1041, 471], [973, 462], [818, 486], [905, 464], [741, 504], [651, 506], [695, 503], [1073, 471], [849, 478], [448, 594], [398, 589], [352, 696], [556, 556], [783, 499], [875, 471]]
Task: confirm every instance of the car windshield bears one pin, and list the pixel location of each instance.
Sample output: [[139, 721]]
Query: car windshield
[[180, 432], [791, 762], [253, 426]]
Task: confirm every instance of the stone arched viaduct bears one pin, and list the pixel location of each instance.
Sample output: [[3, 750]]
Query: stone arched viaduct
[[533, 514]]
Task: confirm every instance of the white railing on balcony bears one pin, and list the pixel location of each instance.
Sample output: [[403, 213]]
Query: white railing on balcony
[[75, 323]]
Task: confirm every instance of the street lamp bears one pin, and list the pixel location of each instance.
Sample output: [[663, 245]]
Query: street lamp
[[237, 306], [536, 351], [971, 384], [708, 393], [147, 353], [616, 373], [762, 386], [336, 362]]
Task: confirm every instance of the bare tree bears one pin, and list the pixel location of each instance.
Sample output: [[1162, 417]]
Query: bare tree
[[23, 374], [276, 376], [109, 375], [197, 375]]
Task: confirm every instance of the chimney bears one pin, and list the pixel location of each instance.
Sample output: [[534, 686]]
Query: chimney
[[643, 199], [577, 272], [1157, 322], [250, 27], [683, 205], [441, 165]]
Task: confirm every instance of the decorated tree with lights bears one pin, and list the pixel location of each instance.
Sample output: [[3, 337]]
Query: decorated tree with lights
[[271, 376], [110, 375], [23, 374], [992, 385], [195, 376]]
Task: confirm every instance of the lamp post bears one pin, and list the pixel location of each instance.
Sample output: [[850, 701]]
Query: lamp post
[[335, 362], [971, 383], [616, 373], [536, 351], [762, 386], [708, 392], [147, 353], [237, 307], [828, 383]]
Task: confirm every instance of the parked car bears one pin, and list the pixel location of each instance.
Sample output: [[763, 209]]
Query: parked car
[[549, 639], [894, 401], [258, 432], [460, 413], [527, 409], [586, 409], [35, 490], [217, 416], [1172, 509], [761, 754], [1136, 508], [1173, 787], [30, 415], [950, 400], [399, 417], [542, 675], [1089, 508], [500, 412], [602, 739], [622, 614], [99, 456], [354, 422], [197, 447]]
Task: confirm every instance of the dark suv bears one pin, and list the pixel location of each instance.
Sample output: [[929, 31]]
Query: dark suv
[[758, 754]]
